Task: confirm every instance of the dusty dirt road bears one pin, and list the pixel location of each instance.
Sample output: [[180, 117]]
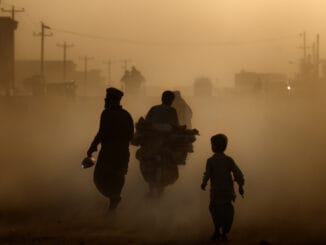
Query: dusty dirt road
[[46, 198]]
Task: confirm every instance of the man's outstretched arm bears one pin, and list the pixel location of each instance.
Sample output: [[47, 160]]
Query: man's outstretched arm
[[93, 146]]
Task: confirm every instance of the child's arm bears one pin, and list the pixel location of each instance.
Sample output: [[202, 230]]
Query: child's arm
[[238, 177], [206, 176]]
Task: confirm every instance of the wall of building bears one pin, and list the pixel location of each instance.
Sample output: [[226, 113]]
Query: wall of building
[[7, 29]]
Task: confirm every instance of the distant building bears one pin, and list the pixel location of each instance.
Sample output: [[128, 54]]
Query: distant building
[[53, 70], [27, 73], [203, 87], [95, 84], [67, 89], [7, 53], [258, 82], [323, 69]]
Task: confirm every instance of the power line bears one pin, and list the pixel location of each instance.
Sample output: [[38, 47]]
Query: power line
[[7, 4], [165, 43], [13, 11], [182, 43], [31, 20]]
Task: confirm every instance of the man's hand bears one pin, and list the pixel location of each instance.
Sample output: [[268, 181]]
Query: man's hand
[[89, 154], [241, 191], [203, 186], [91, 150]]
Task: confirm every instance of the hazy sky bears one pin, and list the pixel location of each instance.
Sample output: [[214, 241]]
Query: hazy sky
[[172, 41]]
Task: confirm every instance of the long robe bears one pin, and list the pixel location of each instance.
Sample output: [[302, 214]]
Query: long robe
[[115, 132]]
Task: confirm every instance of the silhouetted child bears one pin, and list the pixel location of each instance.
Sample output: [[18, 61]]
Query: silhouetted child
[[219, 170]]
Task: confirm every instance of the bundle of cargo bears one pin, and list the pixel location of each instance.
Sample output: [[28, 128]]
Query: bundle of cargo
[[162, 149], [175, 140]]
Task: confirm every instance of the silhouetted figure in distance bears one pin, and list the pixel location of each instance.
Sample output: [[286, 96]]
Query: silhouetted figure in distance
[[126, 76], [115, 132], [219, 170], [136, 75], [132, 80]]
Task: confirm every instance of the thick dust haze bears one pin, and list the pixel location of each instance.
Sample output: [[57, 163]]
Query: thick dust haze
[[277, 141]]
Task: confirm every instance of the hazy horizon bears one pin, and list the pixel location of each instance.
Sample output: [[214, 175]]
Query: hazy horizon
[[173, 41]]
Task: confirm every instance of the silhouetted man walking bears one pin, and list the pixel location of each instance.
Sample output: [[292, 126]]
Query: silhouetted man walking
[[164, 145], [164, 114], [161, 170], [115, 132]]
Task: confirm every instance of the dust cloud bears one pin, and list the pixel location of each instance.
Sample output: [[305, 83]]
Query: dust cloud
[[278, 143], [277, 140]]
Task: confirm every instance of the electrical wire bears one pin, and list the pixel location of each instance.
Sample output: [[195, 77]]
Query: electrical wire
[[119, 40], [148, 43]]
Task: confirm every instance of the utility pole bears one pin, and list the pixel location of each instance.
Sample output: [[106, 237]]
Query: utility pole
[[317, 55], [125, 64], [86, 59], [65, 46], [109, 66], [43, 34], [13, 11], [313, 54], [304, 47], [305, 67]]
